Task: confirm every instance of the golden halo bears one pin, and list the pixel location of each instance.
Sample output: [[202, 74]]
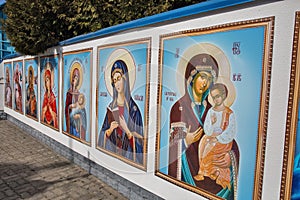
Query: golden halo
[[7, 71], [231, 91], [84, 99], [200, 48], [48, 66], [76, 65], [124, 55], [30, 69]]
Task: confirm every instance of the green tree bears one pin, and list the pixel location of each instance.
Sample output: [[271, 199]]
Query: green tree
[[120, 11], [32, 26]]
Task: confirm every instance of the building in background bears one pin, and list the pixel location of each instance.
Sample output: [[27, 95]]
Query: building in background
[[5, 46]]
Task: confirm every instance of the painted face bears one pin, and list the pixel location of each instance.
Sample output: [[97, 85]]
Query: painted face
[[7, 76], [118, 82], [202, 83], [30, 77], [48, 83], [217, 97], [81, 100], [75, 80]]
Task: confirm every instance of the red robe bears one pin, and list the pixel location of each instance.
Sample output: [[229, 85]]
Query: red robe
[[51, 101], [71, 97], [182, 112]]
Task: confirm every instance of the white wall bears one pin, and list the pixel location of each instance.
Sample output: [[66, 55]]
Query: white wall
[[284, 12]]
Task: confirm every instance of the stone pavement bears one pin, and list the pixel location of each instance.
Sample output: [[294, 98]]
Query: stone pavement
[[31, 170]]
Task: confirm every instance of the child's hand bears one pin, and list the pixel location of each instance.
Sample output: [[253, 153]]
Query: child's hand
[[213, 118]]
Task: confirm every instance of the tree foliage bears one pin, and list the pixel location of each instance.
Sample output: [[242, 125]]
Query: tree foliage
[[32, 26]]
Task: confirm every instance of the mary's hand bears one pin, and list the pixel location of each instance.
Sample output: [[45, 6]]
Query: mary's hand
[[123, 124], [77, 116], [222, 160], [113, 126], [53, 114], [192, 137], [43, 112]]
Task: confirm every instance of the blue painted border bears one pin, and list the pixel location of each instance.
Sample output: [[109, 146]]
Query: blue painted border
[[12, 56], [162, 17], [2, 3]]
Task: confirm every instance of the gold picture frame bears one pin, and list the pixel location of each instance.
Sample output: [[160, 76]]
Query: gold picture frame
[[135, 69], [31, 100], [223, 55], [8, 74], [18, 72], [77, 64], [289, 172], [49, 69]]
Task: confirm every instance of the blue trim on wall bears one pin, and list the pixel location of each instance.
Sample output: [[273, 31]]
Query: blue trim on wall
[[2, 2], [162, 17], [10, 56]]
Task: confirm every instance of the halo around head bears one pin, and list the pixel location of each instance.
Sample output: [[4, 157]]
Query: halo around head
[[81, 95], [124, 55], [231, 91], [30, 69], [17, 66], [76, 65], [48, 66], [200, 48], [7, 70], [7, 77]]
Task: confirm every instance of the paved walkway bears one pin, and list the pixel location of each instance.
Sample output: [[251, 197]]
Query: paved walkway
[[31, 170]]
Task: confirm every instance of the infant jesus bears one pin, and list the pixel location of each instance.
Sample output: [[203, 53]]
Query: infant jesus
[[220, 129]]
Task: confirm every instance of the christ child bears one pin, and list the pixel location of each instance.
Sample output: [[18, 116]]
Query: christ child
[[220, 130]]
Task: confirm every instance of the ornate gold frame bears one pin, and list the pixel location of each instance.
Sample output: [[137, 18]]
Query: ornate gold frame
[[292, 116], [90, 102], [268, 23], [11, 80], [58, 90], [22, 85], [38, 99], [146, 114]]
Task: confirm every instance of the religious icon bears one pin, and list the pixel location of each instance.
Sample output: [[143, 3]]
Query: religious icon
[[8, 85], [121, 118], [31, 88], [295, 191], [290, 180], [49, 91], [200, 143], [77, 95], [18, 80]]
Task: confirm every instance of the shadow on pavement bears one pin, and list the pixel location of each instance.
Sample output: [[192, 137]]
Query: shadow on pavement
[[24, 181]]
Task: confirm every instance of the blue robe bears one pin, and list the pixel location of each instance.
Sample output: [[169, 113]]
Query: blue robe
[[75, 126], [133, 118]]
